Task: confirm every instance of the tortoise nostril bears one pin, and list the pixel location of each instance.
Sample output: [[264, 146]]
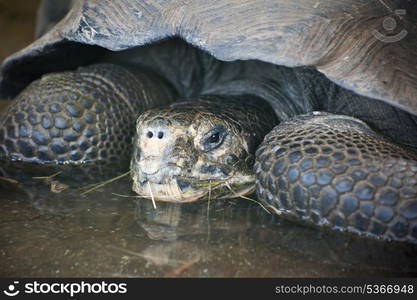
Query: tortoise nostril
[[160, 135], [149, 134]]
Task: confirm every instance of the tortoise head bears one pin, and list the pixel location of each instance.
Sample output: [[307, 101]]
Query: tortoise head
[[198, 149]]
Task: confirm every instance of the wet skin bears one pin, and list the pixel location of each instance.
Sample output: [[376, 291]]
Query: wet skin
[[324, 169]]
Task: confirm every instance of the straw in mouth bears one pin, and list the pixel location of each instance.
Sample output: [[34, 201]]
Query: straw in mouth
[[183, 190]]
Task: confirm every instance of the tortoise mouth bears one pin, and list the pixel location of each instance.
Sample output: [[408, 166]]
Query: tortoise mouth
[[181, 189]]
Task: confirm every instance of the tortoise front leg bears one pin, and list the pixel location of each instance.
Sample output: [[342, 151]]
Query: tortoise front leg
[[333, 170], [79, 116]]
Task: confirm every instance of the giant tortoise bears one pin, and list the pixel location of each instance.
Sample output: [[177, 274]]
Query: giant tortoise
[[312, 104]]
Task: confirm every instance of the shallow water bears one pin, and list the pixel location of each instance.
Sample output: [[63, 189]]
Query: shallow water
[[109, 232], [67, 234]]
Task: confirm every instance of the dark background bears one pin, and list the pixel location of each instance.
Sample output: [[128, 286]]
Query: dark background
[[17, 25]]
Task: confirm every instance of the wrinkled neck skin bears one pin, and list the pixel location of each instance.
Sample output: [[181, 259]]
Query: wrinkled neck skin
[[200, 148], [290, 91]]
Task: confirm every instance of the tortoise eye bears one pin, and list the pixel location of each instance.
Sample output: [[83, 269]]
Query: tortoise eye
[[214, 138]]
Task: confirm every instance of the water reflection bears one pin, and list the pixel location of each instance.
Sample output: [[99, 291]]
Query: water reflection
[[110, 232]]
